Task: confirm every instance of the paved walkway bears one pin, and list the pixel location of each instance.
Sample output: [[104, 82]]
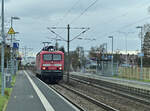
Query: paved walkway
[[31, 94]]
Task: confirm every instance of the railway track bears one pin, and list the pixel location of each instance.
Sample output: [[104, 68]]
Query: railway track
[[141, 96], [79, 107], [112, 92], [90, 99], [78, 84]]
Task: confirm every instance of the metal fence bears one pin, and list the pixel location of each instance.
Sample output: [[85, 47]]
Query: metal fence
[[105, 69], [134, 73]]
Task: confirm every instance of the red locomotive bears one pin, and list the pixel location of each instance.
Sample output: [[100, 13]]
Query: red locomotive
[[50, 64]]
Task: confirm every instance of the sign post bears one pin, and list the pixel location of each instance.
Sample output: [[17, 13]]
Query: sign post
[[11, 32]]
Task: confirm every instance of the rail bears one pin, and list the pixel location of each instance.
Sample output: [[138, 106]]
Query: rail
[[121, 90], [94, 101]]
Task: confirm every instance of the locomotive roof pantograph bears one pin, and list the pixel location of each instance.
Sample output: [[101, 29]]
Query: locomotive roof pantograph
[[49, 48]]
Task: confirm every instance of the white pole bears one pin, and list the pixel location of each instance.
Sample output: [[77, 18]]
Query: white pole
[[2, 51], [112, 56]]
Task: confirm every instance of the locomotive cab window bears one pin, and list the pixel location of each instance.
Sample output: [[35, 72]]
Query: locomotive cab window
[[47, 57], [56, 57]]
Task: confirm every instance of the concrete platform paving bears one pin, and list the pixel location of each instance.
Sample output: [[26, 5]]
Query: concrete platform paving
[[31, 94]]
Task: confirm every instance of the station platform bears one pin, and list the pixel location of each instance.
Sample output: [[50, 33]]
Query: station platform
[[31, 94], [131, 83]]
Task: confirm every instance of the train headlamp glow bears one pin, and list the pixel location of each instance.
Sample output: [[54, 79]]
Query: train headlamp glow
[[60, 68], [43, 68]]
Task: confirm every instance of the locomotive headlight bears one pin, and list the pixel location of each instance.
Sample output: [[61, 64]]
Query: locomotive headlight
[[43, 68], [60, 68]]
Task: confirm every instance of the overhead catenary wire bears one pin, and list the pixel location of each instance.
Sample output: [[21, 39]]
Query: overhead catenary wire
[[86, 29], [126, 26], [67, 13], [125, 14], [84, 11], [56, 34], [145, 18], [80, 34], [81, 12]]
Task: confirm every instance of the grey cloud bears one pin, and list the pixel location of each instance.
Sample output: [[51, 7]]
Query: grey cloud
[[105, 16]]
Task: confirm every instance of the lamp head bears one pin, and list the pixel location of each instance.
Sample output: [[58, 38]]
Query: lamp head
[[16, 18]]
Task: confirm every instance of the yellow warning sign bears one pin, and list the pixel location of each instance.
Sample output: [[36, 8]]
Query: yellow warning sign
[[11, 31]]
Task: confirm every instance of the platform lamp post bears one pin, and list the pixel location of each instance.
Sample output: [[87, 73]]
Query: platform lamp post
[[112, 62], [80, 38], [141, 54], [2, 51], [11, 50]]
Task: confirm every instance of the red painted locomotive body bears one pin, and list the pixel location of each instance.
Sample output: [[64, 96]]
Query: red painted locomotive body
[[50, 65]]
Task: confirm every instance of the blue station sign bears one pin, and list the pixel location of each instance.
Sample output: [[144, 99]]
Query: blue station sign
[[15, 45]]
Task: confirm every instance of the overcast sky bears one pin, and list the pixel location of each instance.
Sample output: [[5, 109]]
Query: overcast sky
[[104, 18]]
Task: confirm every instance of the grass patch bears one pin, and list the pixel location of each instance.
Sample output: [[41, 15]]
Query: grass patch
[[13, 80], [131, 79], [145, 80], [4, 99]]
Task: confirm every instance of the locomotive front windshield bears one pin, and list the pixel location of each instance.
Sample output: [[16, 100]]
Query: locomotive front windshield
[[49, 57], [56, 57]]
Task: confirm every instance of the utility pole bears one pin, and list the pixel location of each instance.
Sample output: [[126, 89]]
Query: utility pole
[[2, 52], [112, 61], [12, 32], [141, 54], [11, 51], [68, 42], [104, 51]]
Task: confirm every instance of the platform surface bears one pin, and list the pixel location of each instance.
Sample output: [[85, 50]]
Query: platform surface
[[31, 94]]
